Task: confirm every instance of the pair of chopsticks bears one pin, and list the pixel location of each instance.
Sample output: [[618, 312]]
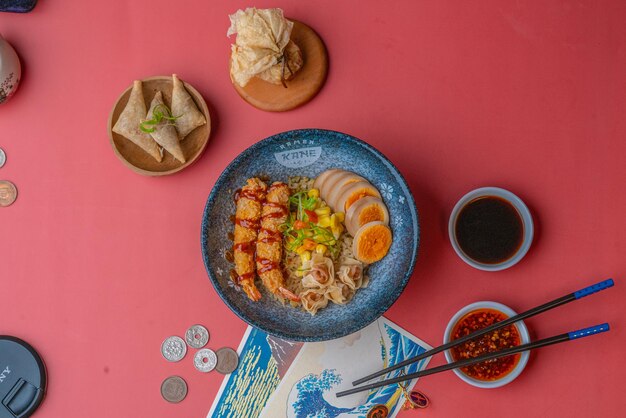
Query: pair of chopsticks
[[585, 332]]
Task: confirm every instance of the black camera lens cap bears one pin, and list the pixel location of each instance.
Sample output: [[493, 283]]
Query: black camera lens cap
[[22, 378]]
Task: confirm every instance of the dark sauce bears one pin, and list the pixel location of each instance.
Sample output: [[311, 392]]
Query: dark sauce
[[489, 230]]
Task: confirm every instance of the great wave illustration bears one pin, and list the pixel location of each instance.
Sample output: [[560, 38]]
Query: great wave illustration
[[311, 396], [263, 362]]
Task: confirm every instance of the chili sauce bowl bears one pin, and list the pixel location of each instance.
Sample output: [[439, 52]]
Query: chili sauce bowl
[[523, 218], [521, 330]]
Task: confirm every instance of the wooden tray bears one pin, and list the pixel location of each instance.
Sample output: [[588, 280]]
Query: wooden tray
[[140, 161], [303, 87]]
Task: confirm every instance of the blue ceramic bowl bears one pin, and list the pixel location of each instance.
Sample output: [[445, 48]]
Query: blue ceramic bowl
[[308, 152]]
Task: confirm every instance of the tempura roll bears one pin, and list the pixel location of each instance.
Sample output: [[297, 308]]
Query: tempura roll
[[249, 201], [269, 248]]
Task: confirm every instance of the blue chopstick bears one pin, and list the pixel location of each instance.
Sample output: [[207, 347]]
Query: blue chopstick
[[569, 336]]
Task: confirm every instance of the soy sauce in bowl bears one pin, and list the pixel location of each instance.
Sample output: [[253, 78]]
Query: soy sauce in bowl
[[489, 230]]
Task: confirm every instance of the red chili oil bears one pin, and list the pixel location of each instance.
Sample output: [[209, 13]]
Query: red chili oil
[[497, 340]]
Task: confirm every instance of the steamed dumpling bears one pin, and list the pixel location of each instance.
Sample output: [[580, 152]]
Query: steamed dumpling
[[320, 272], [339, 293], [313, 300], [183, 107], [127, 124], [351, 273], [165, 134]]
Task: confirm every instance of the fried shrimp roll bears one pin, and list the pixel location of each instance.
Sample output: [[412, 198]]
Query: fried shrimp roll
[[249, 201], [269, 245]]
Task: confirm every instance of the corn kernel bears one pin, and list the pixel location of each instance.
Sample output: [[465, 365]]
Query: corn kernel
[[301, 250], [300, 273], [337, 231], [314, 193], [305, 256], [340, 216], [334, 222], [323, 211], [320, 249], [324, 221]]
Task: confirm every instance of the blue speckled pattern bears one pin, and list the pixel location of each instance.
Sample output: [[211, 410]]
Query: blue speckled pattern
[[17, 6], [308, 152]]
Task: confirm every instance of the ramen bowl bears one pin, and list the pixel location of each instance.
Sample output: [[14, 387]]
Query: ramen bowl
[[309, 152]]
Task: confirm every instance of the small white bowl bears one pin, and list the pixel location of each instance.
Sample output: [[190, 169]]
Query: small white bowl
[[521, 329], [10, 70], [521, 208]]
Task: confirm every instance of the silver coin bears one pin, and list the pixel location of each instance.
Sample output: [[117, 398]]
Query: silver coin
[[227, 360], [205, 360], [173, 348], [174, 389], [3, 157], [197, 336]]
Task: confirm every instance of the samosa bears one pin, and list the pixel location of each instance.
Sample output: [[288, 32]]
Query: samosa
[[165, 133], [127, 124], [188, 117]]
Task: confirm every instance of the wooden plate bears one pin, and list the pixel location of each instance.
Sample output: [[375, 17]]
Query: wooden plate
[[140, 161], [303, 87]]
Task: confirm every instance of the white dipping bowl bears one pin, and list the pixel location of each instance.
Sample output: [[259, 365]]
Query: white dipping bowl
[[521, 329], [523, 212]]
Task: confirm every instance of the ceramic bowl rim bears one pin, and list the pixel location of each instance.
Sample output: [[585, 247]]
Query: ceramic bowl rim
[[356, 325], [522, 209], [521, 328]]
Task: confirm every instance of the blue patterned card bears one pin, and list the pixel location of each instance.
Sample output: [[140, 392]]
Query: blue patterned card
[[263, 360], [277, 378]]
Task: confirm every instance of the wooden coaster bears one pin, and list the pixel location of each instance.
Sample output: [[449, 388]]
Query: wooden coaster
[[139, 160], [303, 87]]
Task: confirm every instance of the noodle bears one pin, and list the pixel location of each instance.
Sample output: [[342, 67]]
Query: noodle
[[348, 274]]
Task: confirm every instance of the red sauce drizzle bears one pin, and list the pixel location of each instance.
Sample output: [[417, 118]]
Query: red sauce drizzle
[[244, 277], [277, 214], [277, 185], [271, 236], [245, 247], [267, 265], [250, 194], [248, 223]]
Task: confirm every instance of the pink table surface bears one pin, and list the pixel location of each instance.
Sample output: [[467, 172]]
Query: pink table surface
[[98, 264]]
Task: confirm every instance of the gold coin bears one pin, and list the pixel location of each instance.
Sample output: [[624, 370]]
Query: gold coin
[[8, 193], [378, 411]]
